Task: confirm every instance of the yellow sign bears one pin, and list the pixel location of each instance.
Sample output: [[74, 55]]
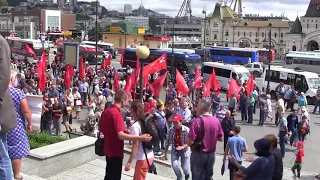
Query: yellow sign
[[67, 33], [114, 29], [141, 31]]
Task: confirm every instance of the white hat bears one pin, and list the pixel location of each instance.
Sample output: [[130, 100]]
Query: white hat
[[302, 93]]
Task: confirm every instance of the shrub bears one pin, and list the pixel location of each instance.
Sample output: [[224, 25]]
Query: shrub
[[38, 139]]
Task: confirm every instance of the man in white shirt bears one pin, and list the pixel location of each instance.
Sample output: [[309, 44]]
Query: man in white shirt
[[279, 109], [186, 114]]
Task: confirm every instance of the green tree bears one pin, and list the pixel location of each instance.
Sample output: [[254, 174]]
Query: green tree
[[3, 3], [153, 24]]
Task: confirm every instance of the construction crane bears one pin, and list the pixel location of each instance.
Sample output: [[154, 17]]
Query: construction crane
[[185, 10], [237, 6]]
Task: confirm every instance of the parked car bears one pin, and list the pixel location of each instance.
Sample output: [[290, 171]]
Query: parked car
[[255, 68]]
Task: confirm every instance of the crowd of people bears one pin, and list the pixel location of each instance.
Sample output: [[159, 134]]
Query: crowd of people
[[190, 126]]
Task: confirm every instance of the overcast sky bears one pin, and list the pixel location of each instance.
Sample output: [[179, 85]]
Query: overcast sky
[[291, 8]]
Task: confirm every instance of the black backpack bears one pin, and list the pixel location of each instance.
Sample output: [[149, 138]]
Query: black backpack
[[149, 126]]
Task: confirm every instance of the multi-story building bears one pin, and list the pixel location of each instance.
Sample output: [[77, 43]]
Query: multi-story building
[[61, 3], [73, 3], [5, 23], [29, 24], [141, 21], [304, 35], [226, 28], [127, 9]]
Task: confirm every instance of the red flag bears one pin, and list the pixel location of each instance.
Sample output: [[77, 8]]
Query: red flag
[[30, 51], [81, 68], [108, 61], [250, 85], [233, 88], [116, 81], [71, 71], [197, 78], [41, 70], [156, 65], [121, 60], [215, 83], [207, 87], [181, 84], [128, 86], [158, 84], [67, 78]]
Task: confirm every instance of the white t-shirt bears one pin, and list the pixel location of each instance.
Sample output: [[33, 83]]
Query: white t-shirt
[[135, 130]]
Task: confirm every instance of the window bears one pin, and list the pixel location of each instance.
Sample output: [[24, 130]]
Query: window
[[316, 26], [214, 36], [222, 72], [307, 26], [281, 35], [256, 66], [248, 65], [244, 33], [256, 34], [238, 33], [275, 35], [207, 70], [250, 34], [234, 76], [262, 34], [227, 33]]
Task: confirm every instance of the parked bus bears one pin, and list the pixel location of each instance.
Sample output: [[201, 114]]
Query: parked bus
[[107, 47], [183, 61], [90, 54], [303, 81], [234, 55], [307, 61], [224, 72], [18, 48], [264, 55]]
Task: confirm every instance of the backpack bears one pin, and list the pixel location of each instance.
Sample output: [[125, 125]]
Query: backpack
[[149, 126]]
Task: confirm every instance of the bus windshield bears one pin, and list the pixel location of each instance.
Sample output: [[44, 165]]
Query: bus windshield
[[90, 57], [191, 66], [244, 75], [314, 83]]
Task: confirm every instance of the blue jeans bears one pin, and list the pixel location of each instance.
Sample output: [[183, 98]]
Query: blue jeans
[[5, 162], [282, 135], [316, 106], [202, 165], [262, 117], [244, 113], [185, 160], [293, 136], [83, 97], [255, 106], [47, 126]]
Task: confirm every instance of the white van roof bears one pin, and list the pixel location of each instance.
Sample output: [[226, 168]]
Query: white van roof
[[236, 68], [292, 71]]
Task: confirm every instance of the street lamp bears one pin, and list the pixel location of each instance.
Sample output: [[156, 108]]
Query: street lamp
[[97, 36], [142, 53], [269, 62], [204, 11]]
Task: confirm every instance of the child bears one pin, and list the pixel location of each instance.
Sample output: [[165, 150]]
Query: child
[[299, 159]]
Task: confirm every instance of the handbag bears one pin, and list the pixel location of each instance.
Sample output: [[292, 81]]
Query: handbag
[[98, 145], [198, 145]]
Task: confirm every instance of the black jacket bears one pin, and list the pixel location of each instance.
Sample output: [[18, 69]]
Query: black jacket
[[227, 126]]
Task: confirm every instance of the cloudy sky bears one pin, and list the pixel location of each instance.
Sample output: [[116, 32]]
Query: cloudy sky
[[262, 7]]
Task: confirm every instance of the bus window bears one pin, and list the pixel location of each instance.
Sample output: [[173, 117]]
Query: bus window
[[289, 60], [301, 83]]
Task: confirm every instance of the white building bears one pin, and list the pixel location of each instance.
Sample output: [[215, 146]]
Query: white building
[[127, 9], [305, 34], [224, 27], [141, 21]]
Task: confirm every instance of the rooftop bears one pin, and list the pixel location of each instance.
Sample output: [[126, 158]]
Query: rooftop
[[275, 24], [313, 10], [223, 12], [126, 27], [296, 28]]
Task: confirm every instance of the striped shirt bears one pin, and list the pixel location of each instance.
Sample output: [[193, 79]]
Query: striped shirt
[[221, 114]]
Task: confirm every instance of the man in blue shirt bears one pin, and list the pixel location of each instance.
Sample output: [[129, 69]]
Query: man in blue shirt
[[292, 125], [236, 145]]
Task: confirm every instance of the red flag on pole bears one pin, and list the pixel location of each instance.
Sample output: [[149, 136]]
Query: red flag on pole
[[81, 68], [158, 84], [128, 86], [116, 81], [233, 88], [41, 70], [207, 87], [250, 85], [71, 71], [108, 61], [30, 51], [197, 78], [156, 65], [215, 83], [67, 78], [121, 60], [181, 84]]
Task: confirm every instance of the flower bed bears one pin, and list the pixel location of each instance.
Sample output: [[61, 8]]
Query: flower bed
[[38, 139]]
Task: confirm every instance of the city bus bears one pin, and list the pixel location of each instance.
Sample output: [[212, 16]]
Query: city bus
[[90, 54], [108, 48], [303, 81], [18, 48], [307, 61], [224, 72], [183, 61], [234, 55], [264, 55]]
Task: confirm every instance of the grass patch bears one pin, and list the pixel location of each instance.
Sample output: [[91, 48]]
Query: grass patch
[[38, 139]]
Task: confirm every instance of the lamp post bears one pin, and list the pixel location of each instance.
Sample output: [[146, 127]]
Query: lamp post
[[142, 53], [173, 78], [97, 36], [269, 62], [204, 11]]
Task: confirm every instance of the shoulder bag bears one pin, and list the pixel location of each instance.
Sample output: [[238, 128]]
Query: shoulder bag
[[198, 145]]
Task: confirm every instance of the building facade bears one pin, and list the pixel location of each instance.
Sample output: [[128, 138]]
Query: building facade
[[141, 21], [224, 27], [305, 32]]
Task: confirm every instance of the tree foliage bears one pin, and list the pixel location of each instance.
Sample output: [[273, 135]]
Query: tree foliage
[[92, 33], [3, 3]]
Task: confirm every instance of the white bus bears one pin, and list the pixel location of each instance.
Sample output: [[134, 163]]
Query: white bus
[[18, 48], [303, 81], [224, 72], [307, 61], [108, 48]]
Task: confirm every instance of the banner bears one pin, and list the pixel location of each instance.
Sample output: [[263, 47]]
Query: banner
[[35, 105]]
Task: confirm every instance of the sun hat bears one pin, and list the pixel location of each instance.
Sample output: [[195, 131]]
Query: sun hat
[[262, 145]]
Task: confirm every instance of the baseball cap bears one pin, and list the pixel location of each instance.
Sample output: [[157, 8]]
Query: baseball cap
[[177, 118], [262, 145]]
